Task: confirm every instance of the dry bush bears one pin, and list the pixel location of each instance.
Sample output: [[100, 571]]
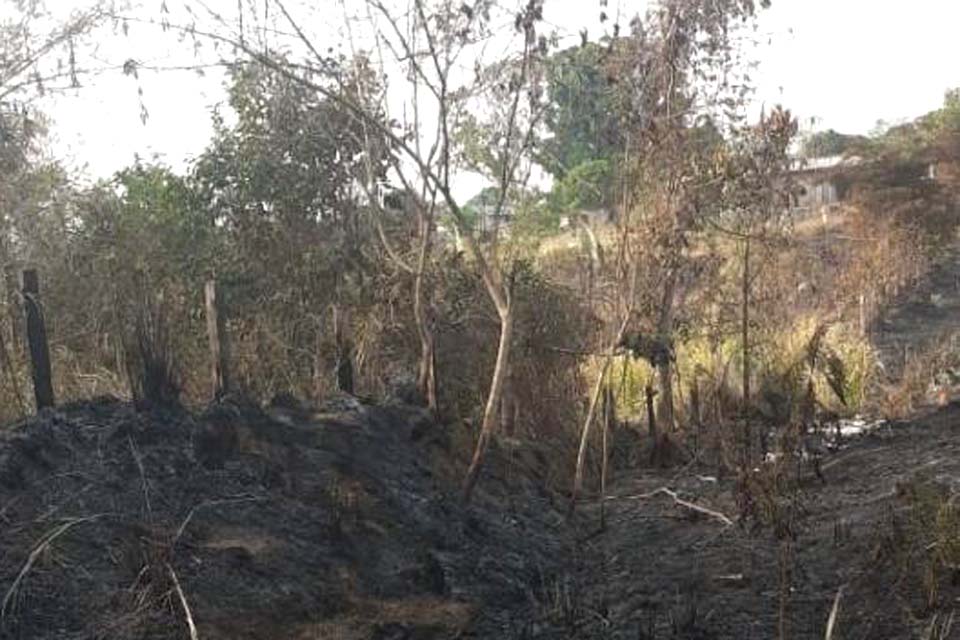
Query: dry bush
[[544, 385], [921, 543], [151, 359], [899, 398]]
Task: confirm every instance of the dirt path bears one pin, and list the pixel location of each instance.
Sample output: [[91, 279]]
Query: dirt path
[[660, 571]]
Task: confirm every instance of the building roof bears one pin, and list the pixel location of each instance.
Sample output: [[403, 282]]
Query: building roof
[[813, 165]]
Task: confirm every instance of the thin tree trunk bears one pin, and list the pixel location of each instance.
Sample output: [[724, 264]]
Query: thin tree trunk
[[665, 368], [652, 426], [745, 338], [427, 374], [493, 401], [585, 435], [218, 341]]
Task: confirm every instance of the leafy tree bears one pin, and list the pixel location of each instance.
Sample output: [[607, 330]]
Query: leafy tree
[[282, 182], [947, 118], [828, 143], [582, 116], [586, 186], [160, 215], [677, 69]]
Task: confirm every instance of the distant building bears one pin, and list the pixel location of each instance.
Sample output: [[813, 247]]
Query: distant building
[[592, 217], [816, 182]]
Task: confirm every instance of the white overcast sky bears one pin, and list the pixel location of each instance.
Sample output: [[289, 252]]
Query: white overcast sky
[[847, 63]]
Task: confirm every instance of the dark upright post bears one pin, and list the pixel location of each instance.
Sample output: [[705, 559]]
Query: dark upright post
[[37, 339]]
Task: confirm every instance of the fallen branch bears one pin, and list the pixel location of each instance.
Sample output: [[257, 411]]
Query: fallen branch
[[183, 602], [680, 503], [44, 543]]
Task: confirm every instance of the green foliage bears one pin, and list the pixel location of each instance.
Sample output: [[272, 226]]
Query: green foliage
[[908, 141], [582, 117], [282, 184], [292, 158], [947, 118], [828, 143], [585, 186], [475, 148], [160, 218], [534, 219]]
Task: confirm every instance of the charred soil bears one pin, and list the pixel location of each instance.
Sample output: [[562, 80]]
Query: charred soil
[[284, 523]]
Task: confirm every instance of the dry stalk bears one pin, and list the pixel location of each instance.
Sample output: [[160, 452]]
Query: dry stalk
[[183, 602]]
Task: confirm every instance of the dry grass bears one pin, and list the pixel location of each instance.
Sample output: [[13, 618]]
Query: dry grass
[[916, 386], [921, 544]]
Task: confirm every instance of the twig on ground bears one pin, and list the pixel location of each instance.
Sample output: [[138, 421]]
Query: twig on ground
[[680, 503]]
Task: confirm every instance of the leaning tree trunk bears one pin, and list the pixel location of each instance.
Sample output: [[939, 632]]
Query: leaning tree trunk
[[585, 433], [490, 413]]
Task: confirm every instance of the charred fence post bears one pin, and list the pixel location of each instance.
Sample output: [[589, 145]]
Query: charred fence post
[[37, 339], [219, 340]]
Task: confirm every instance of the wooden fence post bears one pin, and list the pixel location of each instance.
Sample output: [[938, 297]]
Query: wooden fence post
[[219, 343], [37, 339]]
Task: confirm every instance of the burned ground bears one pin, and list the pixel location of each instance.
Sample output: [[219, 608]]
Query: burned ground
[[273, 526], [662, 571]]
